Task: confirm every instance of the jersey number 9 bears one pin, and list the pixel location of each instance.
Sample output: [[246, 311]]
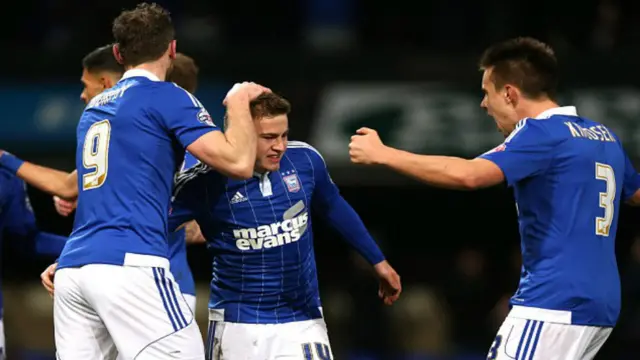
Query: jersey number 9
[[603, 224], [95, 155]]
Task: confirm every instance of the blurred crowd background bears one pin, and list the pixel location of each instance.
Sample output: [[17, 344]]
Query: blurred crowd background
[[407, 68]]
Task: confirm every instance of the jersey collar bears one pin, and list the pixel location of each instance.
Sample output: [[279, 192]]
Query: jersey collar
[[139, 73], [563, 110]]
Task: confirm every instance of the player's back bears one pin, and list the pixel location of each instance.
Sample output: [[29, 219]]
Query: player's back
[[568, 214], [126, 158]]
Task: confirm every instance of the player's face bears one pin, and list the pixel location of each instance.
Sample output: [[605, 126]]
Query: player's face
[[95, 83], [273, 133], [498, 104]]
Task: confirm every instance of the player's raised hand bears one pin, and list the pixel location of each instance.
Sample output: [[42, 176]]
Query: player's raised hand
[[64, 207], [47, 278], [246, 91], [366, 147], [390, 286]]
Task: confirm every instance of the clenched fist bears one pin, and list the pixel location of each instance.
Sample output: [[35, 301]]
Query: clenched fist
[[366, 147]]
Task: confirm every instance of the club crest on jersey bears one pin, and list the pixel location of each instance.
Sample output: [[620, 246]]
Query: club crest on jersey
[[293, 185], [205, 118]]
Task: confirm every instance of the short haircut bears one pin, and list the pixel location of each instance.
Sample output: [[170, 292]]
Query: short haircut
[[102, 59], [524, 62], [269, 105], [143, 34], [184, 72]]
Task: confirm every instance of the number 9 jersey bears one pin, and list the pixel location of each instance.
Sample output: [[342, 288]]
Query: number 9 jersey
[[569, 176], [131, 141]]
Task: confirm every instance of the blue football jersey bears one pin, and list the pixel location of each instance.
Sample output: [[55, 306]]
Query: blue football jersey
[[131, 141], [18, 221], [178, 247], [259, 232], [569, 176]]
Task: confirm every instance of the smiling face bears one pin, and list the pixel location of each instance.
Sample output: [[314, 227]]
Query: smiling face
[[273, 133]]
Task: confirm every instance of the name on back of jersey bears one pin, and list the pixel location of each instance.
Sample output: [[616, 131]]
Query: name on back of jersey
[[108, 96], [599, 132]]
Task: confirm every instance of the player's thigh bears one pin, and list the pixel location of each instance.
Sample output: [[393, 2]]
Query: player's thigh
[[79, 331], [145, 312], [233, 341], [538, 340], [191, 301], [301, 340]]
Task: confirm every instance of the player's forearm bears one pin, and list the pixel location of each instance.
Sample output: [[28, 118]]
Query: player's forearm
[[241, 136], [441, 171], [53, 181], [344, 219]]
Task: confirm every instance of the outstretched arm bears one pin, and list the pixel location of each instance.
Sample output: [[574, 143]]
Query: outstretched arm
[[441, 171], [55, 182]]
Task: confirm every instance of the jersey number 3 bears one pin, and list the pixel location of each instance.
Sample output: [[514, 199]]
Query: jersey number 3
[[95, 155], [603, 224]]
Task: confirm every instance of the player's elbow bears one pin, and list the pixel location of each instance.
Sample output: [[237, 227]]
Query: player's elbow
[[240, 171], [468, 181]]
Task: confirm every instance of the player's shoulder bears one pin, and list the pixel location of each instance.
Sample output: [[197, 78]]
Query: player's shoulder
[[171, 90], [302, 150], [533, 130]]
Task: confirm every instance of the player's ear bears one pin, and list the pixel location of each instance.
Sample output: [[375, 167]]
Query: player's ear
[[510, 94], [117, 55], [172, 49]]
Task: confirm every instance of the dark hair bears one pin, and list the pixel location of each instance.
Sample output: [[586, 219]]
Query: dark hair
[[269, 105], [102, 59], [184, 72], [143, 34], [524, 62]]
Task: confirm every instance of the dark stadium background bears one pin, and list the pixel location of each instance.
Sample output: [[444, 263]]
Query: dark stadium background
[[407, 68]]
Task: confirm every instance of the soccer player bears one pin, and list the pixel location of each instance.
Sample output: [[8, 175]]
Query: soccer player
[[569, 174], [114, 290], [101, 71], [264, 301], [18, 221]]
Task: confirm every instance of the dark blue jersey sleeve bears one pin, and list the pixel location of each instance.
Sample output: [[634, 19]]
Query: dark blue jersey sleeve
[[631, 182], [188, 201], [338, 213], [524, 153], [21, 223], [182, 114], [20, 219]]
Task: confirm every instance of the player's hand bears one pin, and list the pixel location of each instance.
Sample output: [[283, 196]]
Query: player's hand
[[1, 153], [64, 207], [193, 233], [366, 147], [390, 286], [47, 278], [246, 91]]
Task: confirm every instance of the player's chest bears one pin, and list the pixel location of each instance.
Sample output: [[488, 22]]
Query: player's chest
[[266, 197]]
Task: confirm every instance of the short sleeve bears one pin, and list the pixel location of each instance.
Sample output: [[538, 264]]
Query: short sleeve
[[526, 152], [631, 180], [183, 114]]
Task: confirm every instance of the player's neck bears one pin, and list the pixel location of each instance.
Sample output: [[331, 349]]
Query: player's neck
[[156, 68], [535, 108]]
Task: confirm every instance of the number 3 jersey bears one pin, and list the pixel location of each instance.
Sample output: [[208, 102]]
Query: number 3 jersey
[[131, 141], [569, 176]]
